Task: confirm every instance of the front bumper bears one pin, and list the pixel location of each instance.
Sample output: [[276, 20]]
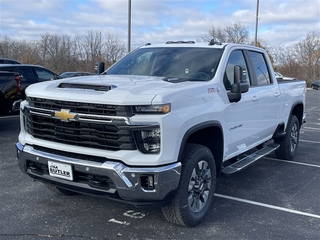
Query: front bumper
[[16, 105], [108, 179]]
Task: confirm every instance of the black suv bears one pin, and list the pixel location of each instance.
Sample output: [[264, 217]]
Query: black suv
[[316, 84], [8, 61], [29, 74]]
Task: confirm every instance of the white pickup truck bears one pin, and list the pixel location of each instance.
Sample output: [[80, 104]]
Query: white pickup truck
[[160, 125]]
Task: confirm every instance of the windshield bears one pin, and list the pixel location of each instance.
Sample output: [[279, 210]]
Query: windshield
[[67, 74], [190, 64]]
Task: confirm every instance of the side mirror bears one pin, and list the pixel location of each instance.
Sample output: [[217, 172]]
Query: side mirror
[[98, 67], [240, 84]]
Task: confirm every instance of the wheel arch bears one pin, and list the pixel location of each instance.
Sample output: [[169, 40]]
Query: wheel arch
[[209, 134], [297, 110]]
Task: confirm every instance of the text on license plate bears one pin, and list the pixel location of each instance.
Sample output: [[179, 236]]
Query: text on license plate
[[60, 170]]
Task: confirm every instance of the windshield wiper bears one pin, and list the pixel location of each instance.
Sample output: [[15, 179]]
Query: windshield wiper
[[174, 79]]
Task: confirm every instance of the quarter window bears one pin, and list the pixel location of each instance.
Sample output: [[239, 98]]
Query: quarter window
[[44, 74]]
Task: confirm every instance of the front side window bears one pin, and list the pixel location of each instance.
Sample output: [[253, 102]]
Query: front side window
[[236, 58], [260, 68], [191, 64], [25, 72]]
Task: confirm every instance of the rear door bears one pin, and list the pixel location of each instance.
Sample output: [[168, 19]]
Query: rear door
[[27, 77], [267, 94]]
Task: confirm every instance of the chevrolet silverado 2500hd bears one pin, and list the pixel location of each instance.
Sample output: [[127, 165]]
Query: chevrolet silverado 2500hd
[[160, 125]]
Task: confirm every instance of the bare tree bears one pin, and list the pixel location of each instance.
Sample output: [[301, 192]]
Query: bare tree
[[90, 49], [115, 48], [307, 54], [30, 53], [301, 60], [236, 33], [57, 52]]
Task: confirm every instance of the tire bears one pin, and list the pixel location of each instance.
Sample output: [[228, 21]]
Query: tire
[[59, 191], [195, 193], [289, 143]]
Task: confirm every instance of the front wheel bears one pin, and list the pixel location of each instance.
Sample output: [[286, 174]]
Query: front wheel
[[289, 143], [194, 195]]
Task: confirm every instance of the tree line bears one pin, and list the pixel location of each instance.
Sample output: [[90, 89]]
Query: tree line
[[61, 53]]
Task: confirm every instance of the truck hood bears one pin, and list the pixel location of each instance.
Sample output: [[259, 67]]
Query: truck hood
[[115, 89]]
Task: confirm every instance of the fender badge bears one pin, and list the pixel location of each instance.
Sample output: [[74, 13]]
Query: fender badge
[[64, 115], [213, 90]]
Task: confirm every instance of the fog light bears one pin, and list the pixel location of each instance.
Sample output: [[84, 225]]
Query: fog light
[[147, 182]]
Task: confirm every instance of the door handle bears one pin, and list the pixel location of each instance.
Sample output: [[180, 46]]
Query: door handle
[[276, 94]]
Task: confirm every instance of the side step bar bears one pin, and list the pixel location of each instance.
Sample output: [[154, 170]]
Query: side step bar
[[246, 161]]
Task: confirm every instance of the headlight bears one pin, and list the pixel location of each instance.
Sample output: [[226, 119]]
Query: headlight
[[160, 109], [148, 140]]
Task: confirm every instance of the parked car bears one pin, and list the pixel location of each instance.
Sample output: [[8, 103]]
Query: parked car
[[10, 92], [315, 84], [278, 75], [28, 74], [74, 74], [9, 61]]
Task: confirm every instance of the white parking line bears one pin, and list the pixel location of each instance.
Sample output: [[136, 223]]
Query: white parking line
[[308, 141], [299, 163], [311, 128], [4, 117], [267, 206]]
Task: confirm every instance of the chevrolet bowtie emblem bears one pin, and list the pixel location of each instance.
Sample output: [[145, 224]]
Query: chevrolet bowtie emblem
[[64, 115]]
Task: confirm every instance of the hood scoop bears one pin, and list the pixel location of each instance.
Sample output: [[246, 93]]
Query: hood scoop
[[84, 87]]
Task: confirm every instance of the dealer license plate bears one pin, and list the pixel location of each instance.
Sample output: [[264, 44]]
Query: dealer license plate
[[60, 170]]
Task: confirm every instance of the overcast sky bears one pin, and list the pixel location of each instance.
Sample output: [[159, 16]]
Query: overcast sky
[[156, 21]]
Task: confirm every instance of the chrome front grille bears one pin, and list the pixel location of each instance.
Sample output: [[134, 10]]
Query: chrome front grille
[[92, 125], [79, 107]]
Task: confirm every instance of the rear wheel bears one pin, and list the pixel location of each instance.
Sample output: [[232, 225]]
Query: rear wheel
[[58, 190], [289, 143], [194, 196]]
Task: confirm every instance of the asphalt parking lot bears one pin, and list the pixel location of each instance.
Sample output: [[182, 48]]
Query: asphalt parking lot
[[271, 199]]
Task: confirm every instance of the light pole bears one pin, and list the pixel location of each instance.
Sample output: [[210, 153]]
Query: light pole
[[257, 20], [129, 25]]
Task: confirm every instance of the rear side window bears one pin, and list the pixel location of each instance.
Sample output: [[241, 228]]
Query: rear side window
[[44, 74], [260, 68]]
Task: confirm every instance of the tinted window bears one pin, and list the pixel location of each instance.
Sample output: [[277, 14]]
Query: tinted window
[[260, 68], [235, 58], [8, 61], [25, 72], [11, 62], [7, 69], [44, 74], [182, 63]]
